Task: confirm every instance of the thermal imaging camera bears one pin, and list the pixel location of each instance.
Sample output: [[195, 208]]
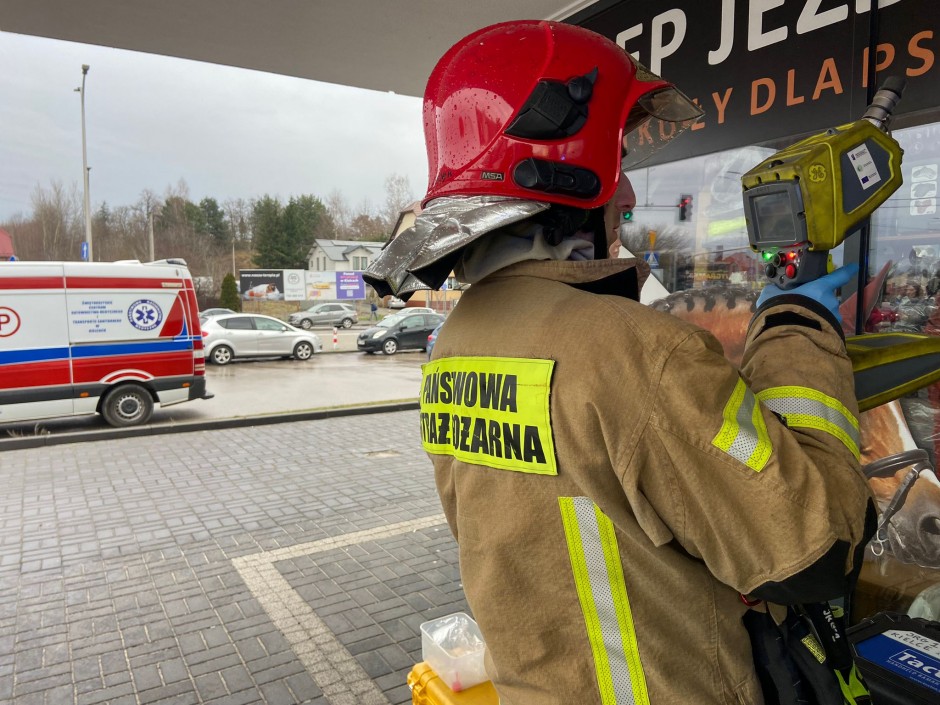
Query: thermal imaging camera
[[803, 201]]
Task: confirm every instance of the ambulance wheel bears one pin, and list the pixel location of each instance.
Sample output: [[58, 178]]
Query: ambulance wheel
[[306, 324], [221, 355], [390, 346], [347, 323], [127, 405], [303, 351]]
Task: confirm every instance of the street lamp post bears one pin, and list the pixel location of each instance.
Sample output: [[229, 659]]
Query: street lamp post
[[81, 90]]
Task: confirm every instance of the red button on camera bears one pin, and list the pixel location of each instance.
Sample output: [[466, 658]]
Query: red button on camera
[[791, 271]]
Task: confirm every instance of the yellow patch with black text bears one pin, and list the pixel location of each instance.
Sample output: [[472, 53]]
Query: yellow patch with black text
[[489, 411]]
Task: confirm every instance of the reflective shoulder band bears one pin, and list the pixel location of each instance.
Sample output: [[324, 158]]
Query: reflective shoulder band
[[802, 407], [602, 592], [743, 434]]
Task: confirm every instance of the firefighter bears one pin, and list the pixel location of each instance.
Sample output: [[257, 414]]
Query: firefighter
[[614, 484]]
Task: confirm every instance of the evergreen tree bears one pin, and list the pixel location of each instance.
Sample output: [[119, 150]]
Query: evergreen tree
[[266, 227], [229, 297], [214, 219], [283, 235]]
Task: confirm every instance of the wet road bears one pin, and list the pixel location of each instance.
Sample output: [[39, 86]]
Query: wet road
[[272, 386]]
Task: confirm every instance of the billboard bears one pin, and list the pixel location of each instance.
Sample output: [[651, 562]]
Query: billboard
[[261, 284], [300, 285], [350, 286], [294, 285]]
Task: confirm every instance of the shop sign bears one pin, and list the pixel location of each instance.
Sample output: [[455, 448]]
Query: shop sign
[[769, 69]]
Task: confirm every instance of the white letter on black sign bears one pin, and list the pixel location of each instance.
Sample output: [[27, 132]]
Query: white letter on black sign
[[658, 52], [628, 34], [810, 19], [727, 34], [756, 36]]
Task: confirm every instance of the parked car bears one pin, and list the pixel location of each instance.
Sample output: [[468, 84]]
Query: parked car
[[432, 338], [412, 309], [214, 312], [407, 331], [325, 315], [238, 335], [394, 303]]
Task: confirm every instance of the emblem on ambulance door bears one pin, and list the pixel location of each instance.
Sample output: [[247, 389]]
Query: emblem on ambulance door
[[9, 322], [144, 314]]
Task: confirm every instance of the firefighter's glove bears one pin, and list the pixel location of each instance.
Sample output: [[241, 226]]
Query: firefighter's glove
[[822, 290]]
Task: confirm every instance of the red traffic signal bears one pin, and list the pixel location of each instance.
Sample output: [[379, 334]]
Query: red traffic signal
[[685, 207]]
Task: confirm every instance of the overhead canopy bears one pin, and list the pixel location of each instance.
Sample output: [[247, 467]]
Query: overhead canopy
[[382, 45]]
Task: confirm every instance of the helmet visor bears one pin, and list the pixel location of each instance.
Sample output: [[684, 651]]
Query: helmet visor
[[654, 121]]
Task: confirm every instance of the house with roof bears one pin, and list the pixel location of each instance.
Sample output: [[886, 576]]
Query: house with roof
[[342, 255]]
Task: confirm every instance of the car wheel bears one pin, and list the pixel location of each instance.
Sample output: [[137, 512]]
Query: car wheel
[[303, 350], [222, 355], [390, 346], [347, 323], [306, 324], [127, 405]]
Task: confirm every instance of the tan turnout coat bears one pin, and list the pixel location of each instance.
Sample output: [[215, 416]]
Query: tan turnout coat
[[614, 486]]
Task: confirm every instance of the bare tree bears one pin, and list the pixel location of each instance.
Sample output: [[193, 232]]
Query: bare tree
[[637, 239], [398, 196], [27, 237], [59, 215], [338, 208]]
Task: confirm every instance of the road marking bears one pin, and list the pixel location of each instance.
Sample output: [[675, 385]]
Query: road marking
[[335, 671]]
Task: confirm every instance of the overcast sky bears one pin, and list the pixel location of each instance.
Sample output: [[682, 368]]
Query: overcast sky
[[228, 132]]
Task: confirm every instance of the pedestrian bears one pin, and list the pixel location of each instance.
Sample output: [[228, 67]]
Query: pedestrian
[[614, 484], [374, 311]]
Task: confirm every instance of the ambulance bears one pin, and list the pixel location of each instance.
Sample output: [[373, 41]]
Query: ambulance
[[114, 338]]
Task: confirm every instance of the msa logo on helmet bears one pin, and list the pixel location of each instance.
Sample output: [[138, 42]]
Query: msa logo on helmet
[[492, 176]]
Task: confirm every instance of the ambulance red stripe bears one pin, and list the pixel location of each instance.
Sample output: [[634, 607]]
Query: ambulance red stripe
[[94, 369], [121, 283], [34, 374], [17, 283]]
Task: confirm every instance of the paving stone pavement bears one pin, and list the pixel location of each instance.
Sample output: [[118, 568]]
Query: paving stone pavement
[[279, 564]]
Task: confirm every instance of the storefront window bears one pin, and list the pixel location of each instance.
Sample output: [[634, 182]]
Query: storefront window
[[699, 251], [905, 252]]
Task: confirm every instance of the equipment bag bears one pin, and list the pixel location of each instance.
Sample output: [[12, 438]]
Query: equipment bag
[[805, 659]]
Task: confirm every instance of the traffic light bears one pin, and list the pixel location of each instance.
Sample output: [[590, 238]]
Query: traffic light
[[627, 216], [685, 207]]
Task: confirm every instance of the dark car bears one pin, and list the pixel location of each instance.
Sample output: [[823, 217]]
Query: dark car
[[432, 338], [403, 331]]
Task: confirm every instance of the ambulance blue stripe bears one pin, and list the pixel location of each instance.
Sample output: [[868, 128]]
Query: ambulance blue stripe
[[13, 357], [170, 345]]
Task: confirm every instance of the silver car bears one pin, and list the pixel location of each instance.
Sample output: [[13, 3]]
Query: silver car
[[325, 315], [250, 335]]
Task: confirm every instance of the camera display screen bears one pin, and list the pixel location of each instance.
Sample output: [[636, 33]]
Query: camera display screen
[[775, 216]]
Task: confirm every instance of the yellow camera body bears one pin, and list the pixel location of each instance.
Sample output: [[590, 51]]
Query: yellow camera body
[[807, 198]]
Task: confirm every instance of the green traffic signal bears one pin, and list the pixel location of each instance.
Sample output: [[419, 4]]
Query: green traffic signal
[[627, 216]]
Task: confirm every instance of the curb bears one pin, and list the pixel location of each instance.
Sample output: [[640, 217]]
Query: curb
[[108, 434]]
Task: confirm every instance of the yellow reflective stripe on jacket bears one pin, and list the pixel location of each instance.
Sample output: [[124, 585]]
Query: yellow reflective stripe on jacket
[[602, 591], [490, 411], [802, 407], [743, 434]]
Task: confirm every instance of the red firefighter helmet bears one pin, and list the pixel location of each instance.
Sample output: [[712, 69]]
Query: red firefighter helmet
[[538, 110]]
